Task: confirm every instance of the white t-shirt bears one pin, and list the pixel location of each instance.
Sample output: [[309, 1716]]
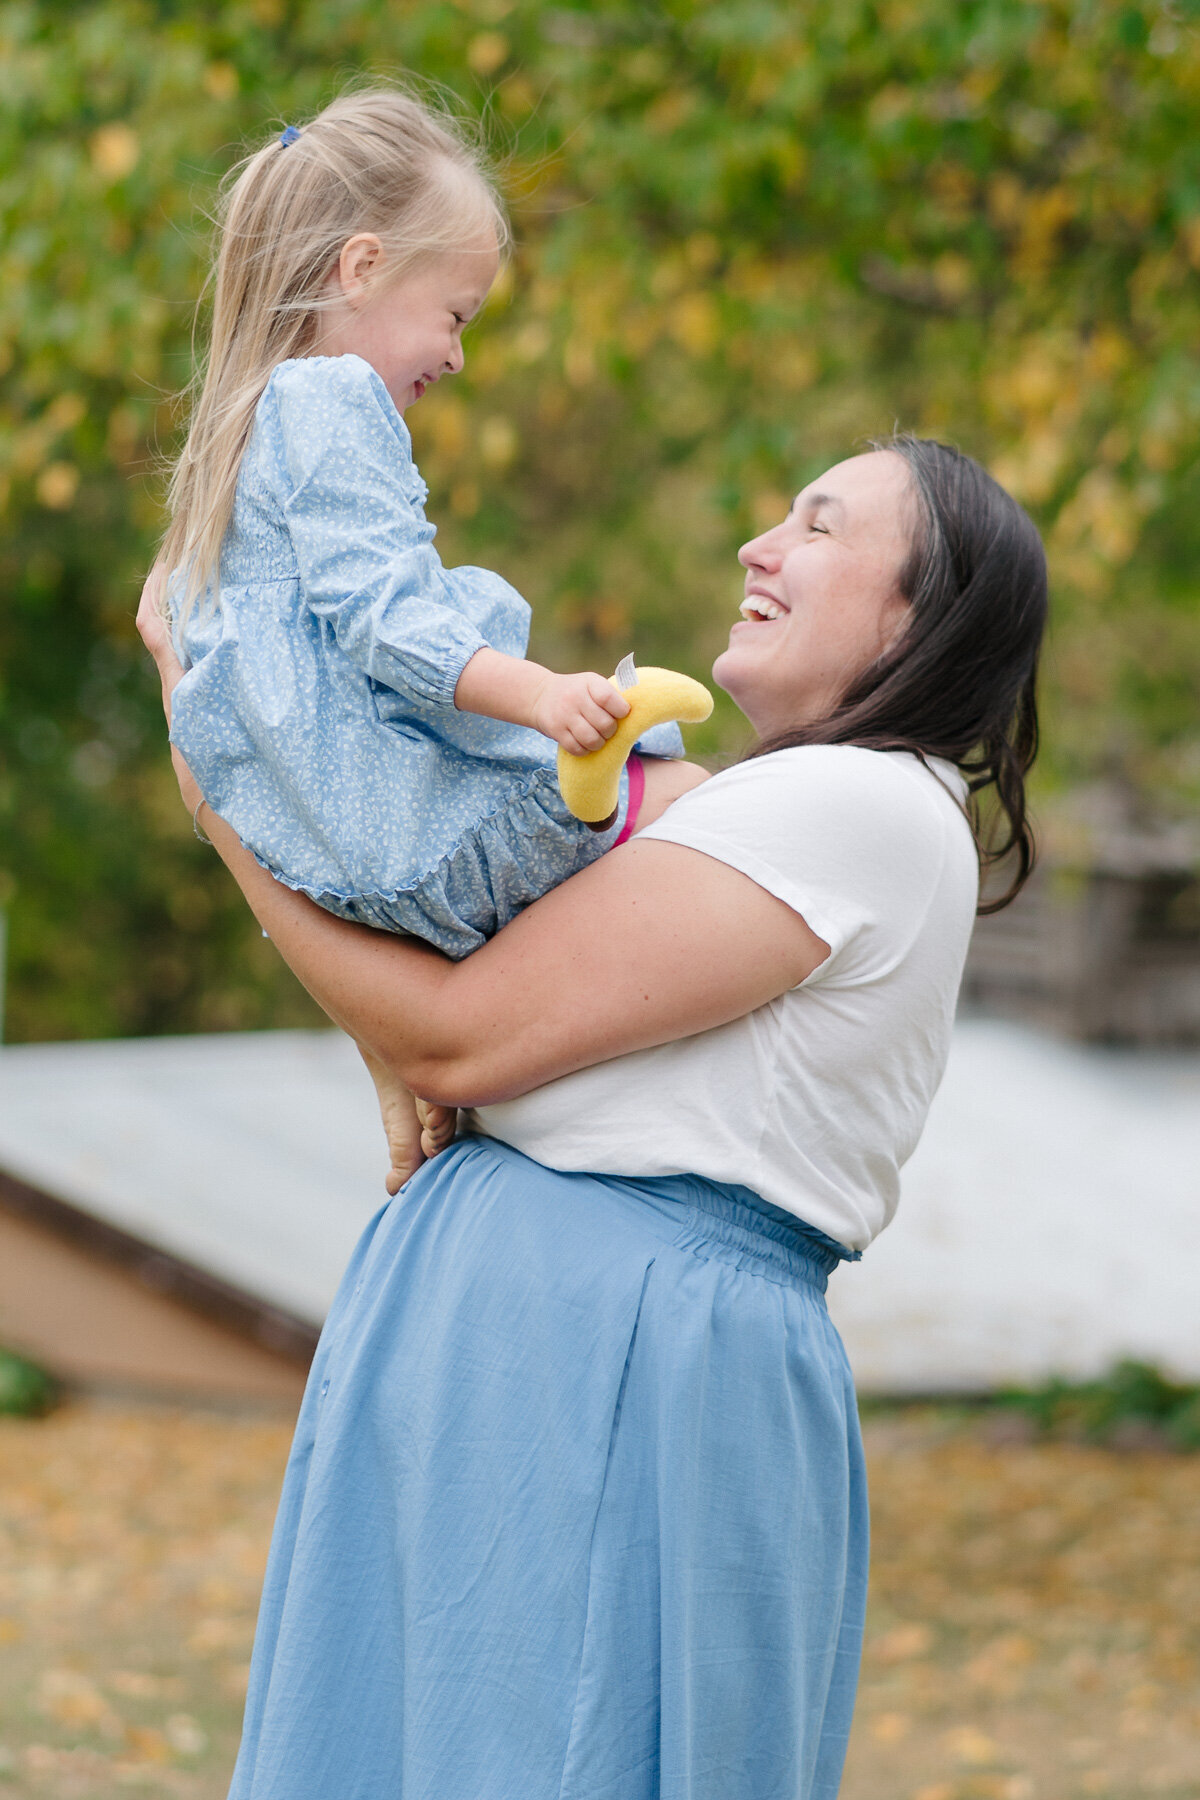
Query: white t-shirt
[[815, 1100]]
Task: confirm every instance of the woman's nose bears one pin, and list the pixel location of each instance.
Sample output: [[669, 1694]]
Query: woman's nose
[[758, 553]]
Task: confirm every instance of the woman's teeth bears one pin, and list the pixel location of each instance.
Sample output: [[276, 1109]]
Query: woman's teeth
[[760, 608]]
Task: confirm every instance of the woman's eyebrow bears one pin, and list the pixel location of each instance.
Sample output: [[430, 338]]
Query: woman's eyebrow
[[817, 501]]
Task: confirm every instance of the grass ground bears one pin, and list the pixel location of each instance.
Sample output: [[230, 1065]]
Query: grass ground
[[1034, 1629]]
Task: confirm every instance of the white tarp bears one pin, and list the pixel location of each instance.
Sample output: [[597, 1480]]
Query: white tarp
[[1050, 1221]]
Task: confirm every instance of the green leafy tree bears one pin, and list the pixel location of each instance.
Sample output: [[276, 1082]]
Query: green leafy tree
[[749, 235]]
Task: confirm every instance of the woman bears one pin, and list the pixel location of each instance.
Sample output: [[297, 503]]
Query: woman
[[576, 1505]]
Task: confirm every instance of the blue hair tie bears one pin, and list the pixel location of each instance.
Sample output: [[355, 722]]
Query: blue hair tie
[[288, 135]]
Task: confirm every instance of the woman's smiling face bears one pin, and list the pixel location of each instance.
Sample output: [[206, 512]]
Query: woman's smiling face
[[823, 594]]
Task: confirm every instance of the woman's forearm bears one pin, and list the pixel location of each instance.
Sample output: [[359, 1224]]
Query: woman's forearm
[[636, 950], [384, 991], [652, 942]]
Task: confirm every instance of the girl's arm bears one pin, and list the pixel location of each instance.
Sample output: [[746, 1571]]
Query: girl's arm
[[651, 943], [368, 567], [580, 712]]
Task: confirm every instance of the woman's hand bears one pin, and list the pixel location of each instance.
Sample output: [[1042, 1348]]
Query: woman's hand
[[155, 630], [415, 1129]]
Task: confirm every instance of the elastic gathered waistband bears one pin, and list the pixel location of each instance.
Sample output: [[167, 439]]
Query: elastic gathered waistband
[[756, 1235]]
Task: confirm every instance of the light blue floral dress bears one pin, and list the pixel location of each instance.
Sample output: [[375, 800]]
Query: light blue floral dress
[[317, 711]]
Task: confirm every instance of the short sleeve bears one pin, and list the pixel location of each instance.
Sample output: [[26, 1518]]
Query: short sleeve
[[352, 504], [853, 840]]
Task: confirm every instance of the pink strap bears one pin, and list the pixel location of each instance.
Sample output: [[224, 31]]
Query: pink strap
[[637, 791]]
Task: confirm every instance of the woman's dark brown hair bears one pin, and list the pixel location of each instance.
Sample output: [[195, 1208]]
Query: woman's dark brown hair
[[961, 680]]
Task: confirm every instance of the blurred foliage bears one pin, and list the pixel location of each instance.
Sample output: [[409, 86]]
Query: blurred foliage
[[1134, 1405], [25, 1390], [749, 234]]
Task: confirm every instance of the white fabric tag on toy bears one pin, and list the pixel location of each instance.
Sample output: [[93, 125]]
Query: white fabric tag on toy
[[626, 675]]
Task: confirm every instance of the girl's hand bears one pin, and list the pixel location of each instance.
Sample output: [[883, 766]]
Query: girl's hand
[[155, 633], [580, 712]]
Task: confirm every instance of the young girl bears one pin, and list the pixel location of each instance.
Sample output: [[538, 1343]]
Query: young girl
[[364, 718]]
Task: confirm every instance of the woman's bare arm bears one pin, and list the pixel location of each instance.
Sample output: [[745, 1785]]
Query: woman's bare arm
[[651, 943]]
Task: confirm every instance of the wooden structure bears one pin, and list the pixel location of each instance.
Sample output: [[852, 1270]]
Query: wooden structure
[[106, 1311], [175, 1213], [1104, 944]]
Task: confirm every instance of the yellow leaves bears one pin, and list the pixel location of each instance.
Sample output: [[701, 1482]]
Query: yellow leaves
[[501, 291], [70, 1699], [579, 360], [517, 97], [65, 411], [184, 1736], [1042, 218], [531, 342], [702, 252], [695, 323], [954, 188], [220, 81], [891, 104], [795, 366], [1006, 199], [124, 433], [967, 1744], [114, 151], [1035, 383], [999, 1667], [147, 1744], [953, 277], [903, 1642], [1108, 351], [444, 422], [890, 1727], [486, 52], [498, 443], [977, 1787], [1031, 469], [670, 111], [1103, 515], [57, 486]]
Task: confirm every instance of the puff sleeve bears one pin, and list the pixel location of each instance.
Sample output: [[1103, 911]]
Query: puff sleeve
[[352, 502]]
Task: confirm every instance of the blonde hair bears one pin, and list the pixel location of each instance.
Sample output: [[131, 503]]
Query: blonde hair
[[380, 160]]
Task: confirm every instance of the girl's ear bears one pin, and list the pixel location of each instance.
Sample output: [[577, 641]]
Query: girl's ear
[[358, 262]]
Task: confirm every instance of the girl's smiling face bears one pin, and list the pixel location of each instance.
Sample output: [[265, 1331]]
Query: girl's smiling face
[[409, 329], [823, 594]]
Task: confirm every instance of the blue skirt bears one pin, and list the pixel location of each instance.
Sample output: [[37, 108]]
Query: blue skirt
[[576, 1506]]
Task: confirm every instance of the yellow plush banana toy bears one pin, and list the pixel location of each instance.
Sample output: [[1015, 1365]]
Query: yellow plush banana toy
[[591, 785]]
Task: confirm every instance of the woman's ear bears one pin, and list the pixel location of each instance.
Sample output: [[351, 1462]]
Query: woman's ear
[[357, 264]]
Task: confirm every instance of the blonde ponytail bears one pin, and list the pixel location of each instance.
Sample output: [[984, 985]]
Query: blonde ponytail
[[380, 160]]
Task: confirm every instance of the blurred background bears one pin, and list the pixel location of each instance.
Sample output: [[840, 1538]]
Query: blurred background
[[750, 235]]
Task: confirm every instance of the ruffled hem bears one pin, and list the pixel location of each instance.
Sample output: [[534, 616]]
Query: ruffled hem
[[509, 859]]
